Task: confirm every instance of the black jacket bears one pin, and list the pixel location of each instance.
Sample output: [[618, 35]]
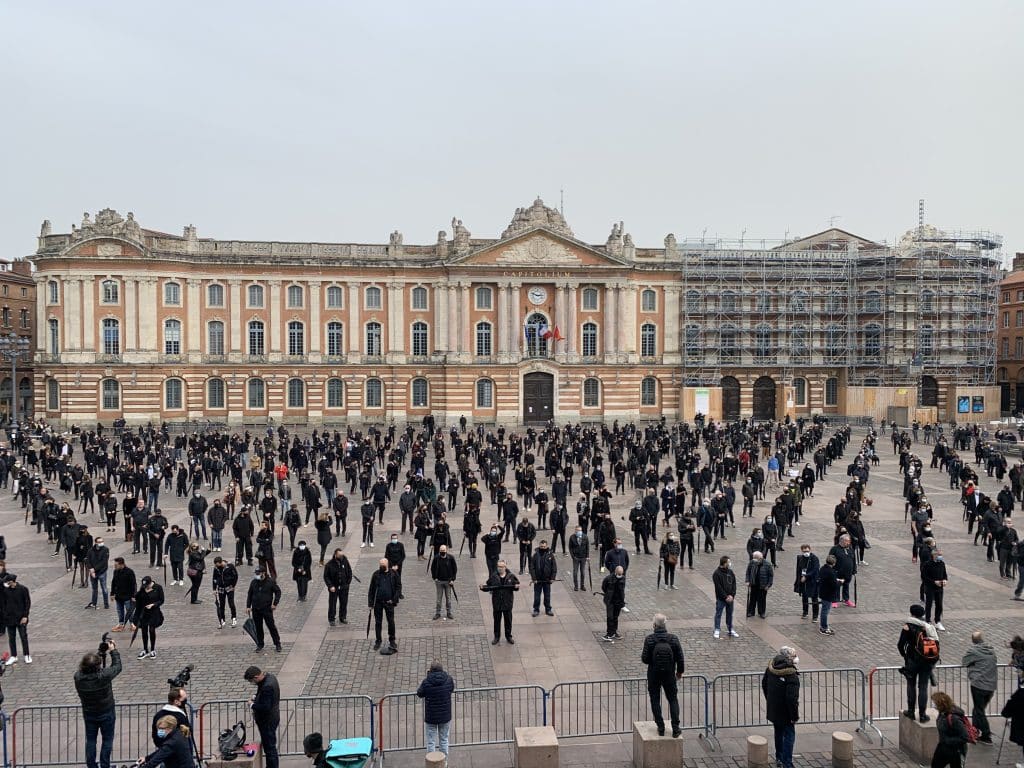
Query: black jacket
[[614, 590], [647, 655], [543, 567], [338, 573], [122, 584], [302, 562], [502, 589], [725, 583], [436, 692], [94, 688], [384, 589], [149, 617], [15, 604], [266, 706], [1014, 709], [444, 568], [262, 594], [174, 546], [781, 687], [224, 578], [174, 752]]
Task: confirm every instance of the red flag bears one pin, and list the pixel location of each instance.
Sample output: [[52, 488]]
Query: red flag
[[557, 335]]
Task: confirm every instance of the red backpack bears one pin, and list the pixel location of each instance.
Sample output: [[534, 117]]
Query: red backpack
[[972, 732], [927, 647]]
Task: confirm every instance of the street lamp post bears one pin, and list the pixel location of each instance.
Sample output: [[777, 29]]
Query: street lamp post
[[12, 347]]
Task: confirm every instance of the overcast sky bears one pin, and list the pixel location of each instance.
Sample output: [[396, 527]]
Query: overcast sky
[[339, 121]]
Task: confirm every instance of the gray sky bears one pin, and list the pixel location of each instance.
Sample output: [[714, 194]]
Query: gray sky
[[339, 121]]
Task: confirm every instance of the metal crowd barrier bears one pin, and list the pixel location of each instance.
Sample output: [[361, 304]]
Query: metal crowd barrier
[[479, 716], [55, 735], [602, 707], [335, 717]]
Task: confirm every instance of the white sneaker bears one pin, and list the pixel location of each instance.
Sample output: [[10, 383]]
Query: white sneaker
[[938, 626], [625, 609], [10, 661], [371, 543], [234, 622], [362, 545], [28, 659], [733, 633], [716, 634]]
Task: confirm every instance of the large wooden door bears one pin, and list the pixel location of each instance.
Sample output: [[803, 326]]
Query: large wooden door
[[764, 399], [538, 398], [730, 399]]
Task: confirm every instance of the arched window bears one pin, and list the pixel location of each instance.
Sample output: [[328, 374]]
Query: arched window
[[172, 294], [589, 299], [483, 297], [296, 297], [335, 297], [256, 394], [110, 392], [483, 339], [215, 295], [729, 301], [374, 393], [872, 340], [111, 336], [256, 338], [693, 301], [873, 302], [727, 343], [255, 296], [800, 391], [373, 298], [589, 338], [926, 342], [215, 394], [649, 391], [296, 338], [373, 339], [296, 393], [537, 332], [648, 340], [648, 300], [53, 336], [172, 337], [53, 292], [927, 301], [484, 393], [419, 297], [335, 393], [798, 302], [215, 337], [764, 342], [835, 342], [832, 391], [691, 341], [109, 292], [173, 394], [52, 395], [798, 344], [335, 339], [591, 393], [419, 393], [764, 301], [419, 339]]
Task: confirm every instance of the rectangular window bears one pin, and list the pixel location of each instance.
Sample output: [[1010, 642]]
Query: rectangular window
[[24, 318], [373, 298], [256, 339], [1020, 296], [111, 337], [1006, 319], [215, 295], [255, 296], [172, 294], [483, 297], [1005, 351], [419, 298], [483, 340], [54, 292], [24, 292], [831, 392], [295, 296], [1018, 348], [216, 340], [334, 297], [1018, 318]]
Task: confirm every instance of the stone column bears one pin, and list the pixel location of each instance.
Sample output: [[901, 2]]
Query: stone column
[[147, 319], [515, 325], [466, 335], [89, 316], [396, 318], [440, 318], [626, 321], [42, 331], [194, 321], [559, 319], [674, 335], [72, 315], [235, 309], [355, 343], [275, 349], [453, 318], [501, 326], [610, 319], [572, 330], [315, 331], [131, 316]]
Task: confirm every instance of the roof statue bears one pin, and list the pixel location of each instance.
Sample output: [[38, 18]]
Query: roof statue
[[108, 223], [537, 215], [460, 235]]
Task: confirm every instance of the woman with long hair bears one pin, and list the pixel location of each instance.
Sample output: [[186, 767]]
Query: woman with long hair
[[148, 617], [951, 725], [669, 553]]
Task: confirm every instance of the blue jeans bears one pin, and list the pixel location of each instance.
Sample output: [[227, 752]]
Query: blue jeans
[[151, 502], [826, 609], [124, 610], [538, 590], [437, 737], [216, 538], [722, 605], [100, 581], [785, 740], [198, 520], [104, 723]]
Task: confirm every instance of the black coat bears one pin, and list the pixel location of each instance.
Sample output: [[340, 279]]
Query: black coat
[[122, 584], [436, 692], [781, 687], [263, 593], [302, 562], [338, 573], [1014, 709], [145, 616], [502, 589]]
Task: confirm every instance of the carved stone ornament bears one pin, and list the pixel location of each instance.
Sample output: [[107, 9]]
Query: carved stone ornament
[[108, 223], [537, 215], [541, 251]]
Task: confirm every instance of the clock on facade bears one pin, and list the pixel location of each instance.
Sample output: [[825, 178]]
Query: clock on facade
[[537, 295]]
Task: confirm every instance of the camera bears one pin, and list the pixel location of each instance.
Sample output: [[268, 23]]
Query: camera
[[181, 679], [104, 648]]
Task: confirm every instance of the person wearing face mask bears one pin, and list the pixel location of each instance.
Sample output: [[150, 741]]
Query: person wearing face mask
[[243, 528], [559, 521], [687, 528], [224, 581], [265, 550], [638, 524], [97, 561], [579, 550], [615, 557], [806, 583], [759, 579], [197, 512], [771, 536], [260, 603], [525, 533], [443, 570], [492, 547], [148, 617], [174, 750], [781, 687], [174, 548], [302, 563], [394, 551], [543, 571], [338, 578], [196, 569], [828, 593], [846, 568], [15, 604], [755, 543], [175, 707], [424, 528], [502, 584], [323, 533], [934, 580], [382, 596], [669, 554], [613, 587], [663, 655], [724, 581]]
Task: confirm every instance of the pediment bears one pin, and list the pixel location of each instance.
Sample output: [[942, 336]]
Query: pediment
[[538, 248], [105, 247]]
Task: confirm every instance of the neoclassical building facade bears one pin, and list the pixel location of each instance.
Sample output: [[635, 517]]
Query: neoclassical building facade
[[532, 325]]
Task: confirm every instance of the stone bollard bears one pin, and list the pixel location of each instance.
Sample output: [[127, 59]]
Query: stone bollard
[[535, 747], [757, 752], [653, 751], [842, 750], [436, 760], [918, 740]]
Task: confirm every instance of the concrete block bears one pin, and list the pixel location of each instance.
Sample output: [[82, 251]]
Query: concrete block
[[842, 750], [653, 751], [256, 761], [757, 752], [435, 760], [918, 740], [536, 747]]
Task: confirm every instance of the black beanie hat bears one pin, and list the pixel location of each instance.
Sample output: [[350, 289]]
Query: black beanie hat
[[917, 611], [313, 743]]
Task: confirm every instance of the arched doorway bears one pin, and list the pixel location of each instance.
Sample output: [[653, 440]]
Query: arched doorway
[[929, 391], [538, 397], [764, 399], [730, 398]]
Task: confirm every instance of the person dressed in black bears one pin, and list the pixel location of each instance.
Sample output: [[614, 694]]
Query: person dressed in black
[[543, 571], [525, 533], [175, 707], [780, 685], [224, 579], [806, 584], [260, 603], [93, 683], [196, 570], [759, 579], [148, 616], [338, 578], [492, 547], [394, 552], [1014, 711], [687, 527], [919, 647], [302, 563], [382, 597], [559, 521], [613, 588], [663, 655], [266, 712], [173, 749], [502, 584]]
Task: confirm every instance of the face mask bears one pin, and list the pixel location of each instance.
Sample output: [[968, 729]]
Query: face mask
[[940, 558], [160, 733], [768, 520], [758, 535], [394, 540], [579, 534], [302, 546], [263, 576], [494, 531], [618, 576], [806, 554], [796, 659]]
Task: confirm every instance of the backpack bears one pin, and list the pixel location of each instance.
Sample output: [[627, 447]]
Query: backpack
[[663, 662], [927, 647], [972, 732]]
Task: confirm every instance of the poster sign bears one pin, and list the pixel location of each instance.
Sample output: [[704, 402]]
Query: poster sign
[[702, 401], [978, 404], [963, 404]]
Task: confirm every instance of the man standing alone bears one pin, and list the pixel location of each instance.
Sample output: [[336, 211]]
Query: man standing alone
[[781, 687], [980, 661], [663, 656], [436, 692], [614, 589]]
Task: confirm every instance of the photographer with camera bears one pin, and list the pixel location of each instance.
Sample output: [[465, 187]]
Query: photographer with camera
[[93, 682]]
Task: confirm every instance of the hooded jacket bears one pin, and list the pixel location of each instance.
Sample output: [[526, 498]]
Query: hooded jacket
[[436, 692], [980, 661], [781, 687]]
